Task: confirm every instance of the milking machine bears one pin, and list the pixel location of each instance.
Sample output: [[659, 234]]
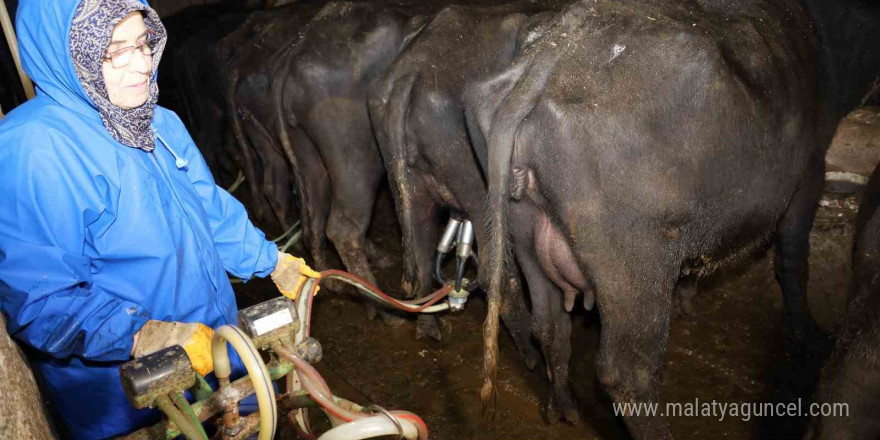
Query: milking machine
[[280, 330], [460, 234]]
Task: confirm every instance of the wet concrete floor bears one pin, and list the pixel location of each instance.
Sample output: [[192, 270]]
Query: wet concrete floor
[[730, 350]]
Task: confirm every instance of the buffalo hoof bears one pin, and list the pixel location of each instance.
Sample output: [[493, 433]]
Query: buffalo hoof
[[687, 307], [683, 308], [553, 415], [428, 325], [530, 357], [391, 320], [682, 298], [407, 287], [371, 311]]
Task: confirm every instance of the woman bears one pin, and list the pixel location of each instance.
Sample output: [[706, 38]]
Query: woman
[[109, 218]]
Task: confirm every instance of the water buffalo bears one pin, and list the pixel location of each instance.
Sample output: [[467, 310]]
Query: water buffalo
[[638, 141], [418, 117], [851, 375], [199, 73], [321, 121], [250, 80]]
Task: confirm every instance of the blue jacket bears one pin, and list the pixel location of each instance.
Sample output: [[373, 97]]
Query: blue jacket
[[97, 237]]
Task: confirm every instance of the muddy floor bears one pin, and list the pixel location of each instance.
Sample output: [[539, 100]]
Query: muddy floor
[[730, 350]]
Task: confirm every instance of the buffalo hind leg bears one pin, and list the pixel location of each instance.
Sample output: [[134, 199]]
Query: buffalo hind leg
[[314, 198], [634, 309], [342, 129], [850, 377], [551, 325], [276, 176], [791, 260], [423, 232], [518, 320], [417, 212], [347, 229], [685, 291]]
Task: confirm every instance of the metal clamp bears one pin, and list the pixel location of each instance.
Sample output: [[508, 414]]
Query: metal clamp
[[379, 409]]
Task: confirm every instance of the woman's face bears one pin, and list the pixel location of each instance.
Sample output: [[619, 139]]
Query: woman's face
[[128, 86]]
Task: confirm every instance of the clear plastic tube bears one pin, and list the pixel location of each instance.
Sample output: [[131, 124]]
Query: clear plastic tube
[[311, 380], [318, 389], [436, 308], [256, 371], [369, 427]]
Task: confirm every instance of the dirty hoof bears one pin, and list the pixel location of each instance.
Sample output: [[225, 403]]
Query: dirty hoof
[[682, 308], [682, 298], [391, 320], [687, 307], [572, 416], [445, 325], [530, 357], [553, 415], [371, 311], [407, 287], [428, 326]]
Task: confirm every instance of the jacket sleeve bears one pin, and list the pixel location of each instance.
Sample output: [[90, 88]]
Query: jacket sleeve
[[244, 249], [46, 288]]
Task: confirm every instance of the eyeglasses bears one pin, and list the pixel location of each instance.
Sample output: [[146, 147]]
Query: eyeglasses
[[122, 57]]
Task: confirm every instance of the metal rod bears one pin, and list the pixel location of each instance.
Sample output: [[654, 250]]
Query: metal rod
[[9, 32], [250, 424]]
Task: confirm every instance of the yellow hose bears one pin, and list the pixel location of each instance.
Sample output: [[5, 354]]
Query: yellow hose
[[9, 31], [256, 370]]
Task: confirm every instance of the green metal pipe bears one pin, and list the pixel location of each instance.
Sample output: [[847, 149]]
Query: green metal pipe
[[187, 410], [183, 424], [202, 389], [213, 405]]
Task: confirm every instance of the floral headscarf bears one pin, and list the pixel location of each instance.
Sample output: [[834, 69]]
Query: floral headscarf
[[90, 35]]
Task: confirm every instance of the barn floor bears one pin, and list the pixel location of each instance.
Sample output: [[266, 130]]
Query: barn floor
[[730, 350]]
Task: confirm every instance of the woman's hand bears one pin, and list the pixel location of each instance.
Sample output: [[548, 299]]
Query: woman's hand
[[290, 274], [195, 339]]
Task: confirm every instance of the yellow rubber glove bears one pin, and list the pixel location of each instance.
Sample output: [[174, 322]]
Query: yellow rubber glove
[[195, 339], [290, 274]]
